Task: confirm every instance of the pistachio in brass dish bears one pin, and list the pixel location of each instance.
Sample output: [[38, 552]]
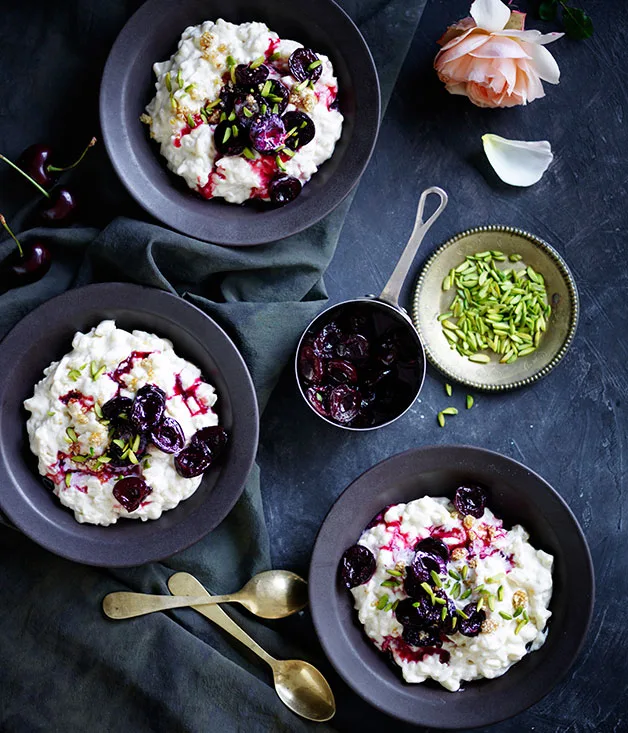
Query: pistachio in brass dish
[[447, 590], [496, 308], [499, 307]]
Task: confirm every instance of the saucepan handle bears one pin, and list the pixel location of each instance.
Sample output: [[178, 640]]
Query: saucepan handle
[[390, 293]]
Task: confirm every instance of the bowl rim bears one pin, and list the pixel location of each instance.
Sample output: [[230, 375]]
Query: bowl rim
[[321, 589], [118, 145], [34, 524], [574, 301]]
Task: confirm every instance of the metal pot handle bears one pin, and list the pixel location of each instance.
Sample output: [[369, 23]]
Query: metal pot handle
[[392, 289]]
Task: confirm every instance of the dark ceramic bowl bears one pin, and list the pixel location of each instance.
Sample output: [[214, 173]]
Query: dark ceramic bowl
[[128, 84], [45, 335], [519, 496]]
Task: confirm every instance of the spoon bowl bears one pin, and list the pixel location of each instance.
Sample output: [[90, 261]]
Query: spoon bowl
[[273, 594], [303, 689]]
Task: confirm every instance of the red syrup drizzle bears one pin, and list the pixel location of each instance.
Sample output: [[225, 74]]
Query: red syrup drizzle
[[458, 534], [272, 46], [125, 366], [197, 119], [188, 394], [85, 401], [408, 653], [327, 95], [266, 167], [398, 540]]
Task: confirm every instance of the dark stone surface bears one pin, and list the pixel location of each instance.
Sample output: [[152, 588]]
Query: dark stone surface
[[570, 427]]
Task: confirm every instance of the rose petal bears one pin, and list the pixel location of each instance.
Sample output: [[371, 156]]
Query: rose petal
[[544, 63], [498, 47], [517, 162], [492, 15], [461, 47], [531, 36]]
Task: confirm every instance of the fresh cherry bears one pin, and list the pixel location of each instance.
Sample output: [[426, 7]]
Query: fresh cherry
[[301, 129], [131, 492], [284, 189], [61, 210], [34, 161], [267, 133], [24, 265]]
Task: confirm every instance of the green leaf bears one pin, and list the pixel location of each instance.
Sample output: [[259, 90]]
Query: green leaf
[[547, 9], [577, 23]]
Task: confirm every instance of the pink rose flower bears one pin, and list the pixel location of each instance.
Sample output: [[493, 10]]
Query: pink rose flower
[[492, 60]]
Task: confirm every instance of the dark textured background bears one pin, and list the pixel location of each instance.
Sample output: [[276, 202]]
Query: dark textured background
[[570, 428]]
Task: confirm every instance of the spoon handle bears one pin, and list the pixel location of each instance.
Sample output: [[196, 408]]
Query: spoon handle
[[184, 583], [128, 605], [392, 289]]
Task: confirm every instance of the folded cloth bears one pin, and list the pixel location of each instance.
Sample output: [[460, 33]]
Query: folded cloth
[[64, 666]]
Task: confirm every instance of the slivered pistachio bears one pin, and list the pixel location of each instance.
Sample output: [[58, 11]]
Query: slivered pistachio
[[396, 573], [120, 443], [441, 419], [469, 402], [248, 153], [520, 625], [227, 135], [440, 601], [390, 583], [453, 574], [490, 599], [79, 459], [450, 411], [464, 572], [168, 82], [503, 310], [454, 622], [50, 413], [74, 374], [455, 591], [275, 56], [71, 433], [466, 594], [266, 88], [518, 611], [429, 592], [436, 579], [461, 613], [505, 615], [314, 65], [280, 163], [132, 457], [388, 606], [480, 604], [104, 459], [443, 612], [500, 593], [448, 390], [68, 479], [257, 62], [382, 603]]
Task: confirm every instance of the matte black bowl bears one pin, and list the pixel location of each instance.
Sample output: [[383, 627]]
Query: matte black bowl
[[519, 496], [45, 335], [128, 84]]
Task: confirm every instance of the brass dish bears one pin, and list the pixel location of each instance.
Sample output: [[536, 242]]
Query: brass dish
[[430, 301]]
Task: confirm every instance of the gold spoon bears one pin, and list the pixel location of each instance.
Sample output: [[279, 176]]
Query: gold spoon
[[272, 594], [300, 686]]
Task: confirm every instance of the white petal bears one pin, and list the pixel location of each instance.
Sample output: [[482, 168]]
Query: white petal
[[543, 62], [492, 15], [531, 36], [517, 162]]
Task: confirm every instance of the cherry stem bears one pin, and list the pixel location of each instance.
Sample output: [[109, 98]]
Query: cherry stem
[[3, 221], [19, 170], [54, 168]]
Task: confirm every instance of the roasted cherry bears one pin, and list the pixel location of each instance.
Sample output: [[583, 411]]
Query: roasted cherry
[[344, 403], [472, 625], [230, 138], [357, 566], [435, 547], [284, 189], [305, 64], [318, 397], [342, 372], [275, 96], [168, 435], [60, 209], [471, 500], [267, 133], [325, 342], [193, 460], [213, 438], [422, 636], [246, 107], [131, 492], [117, 410], [353, 347], [311, 367], [124, 441], [148, 407], [248, 75], [300, 128]]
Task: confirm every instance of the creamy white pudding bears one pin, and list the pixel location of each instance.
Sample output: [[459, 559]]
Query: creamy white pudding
[[113, 422], [450, 597], [223, 80]]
